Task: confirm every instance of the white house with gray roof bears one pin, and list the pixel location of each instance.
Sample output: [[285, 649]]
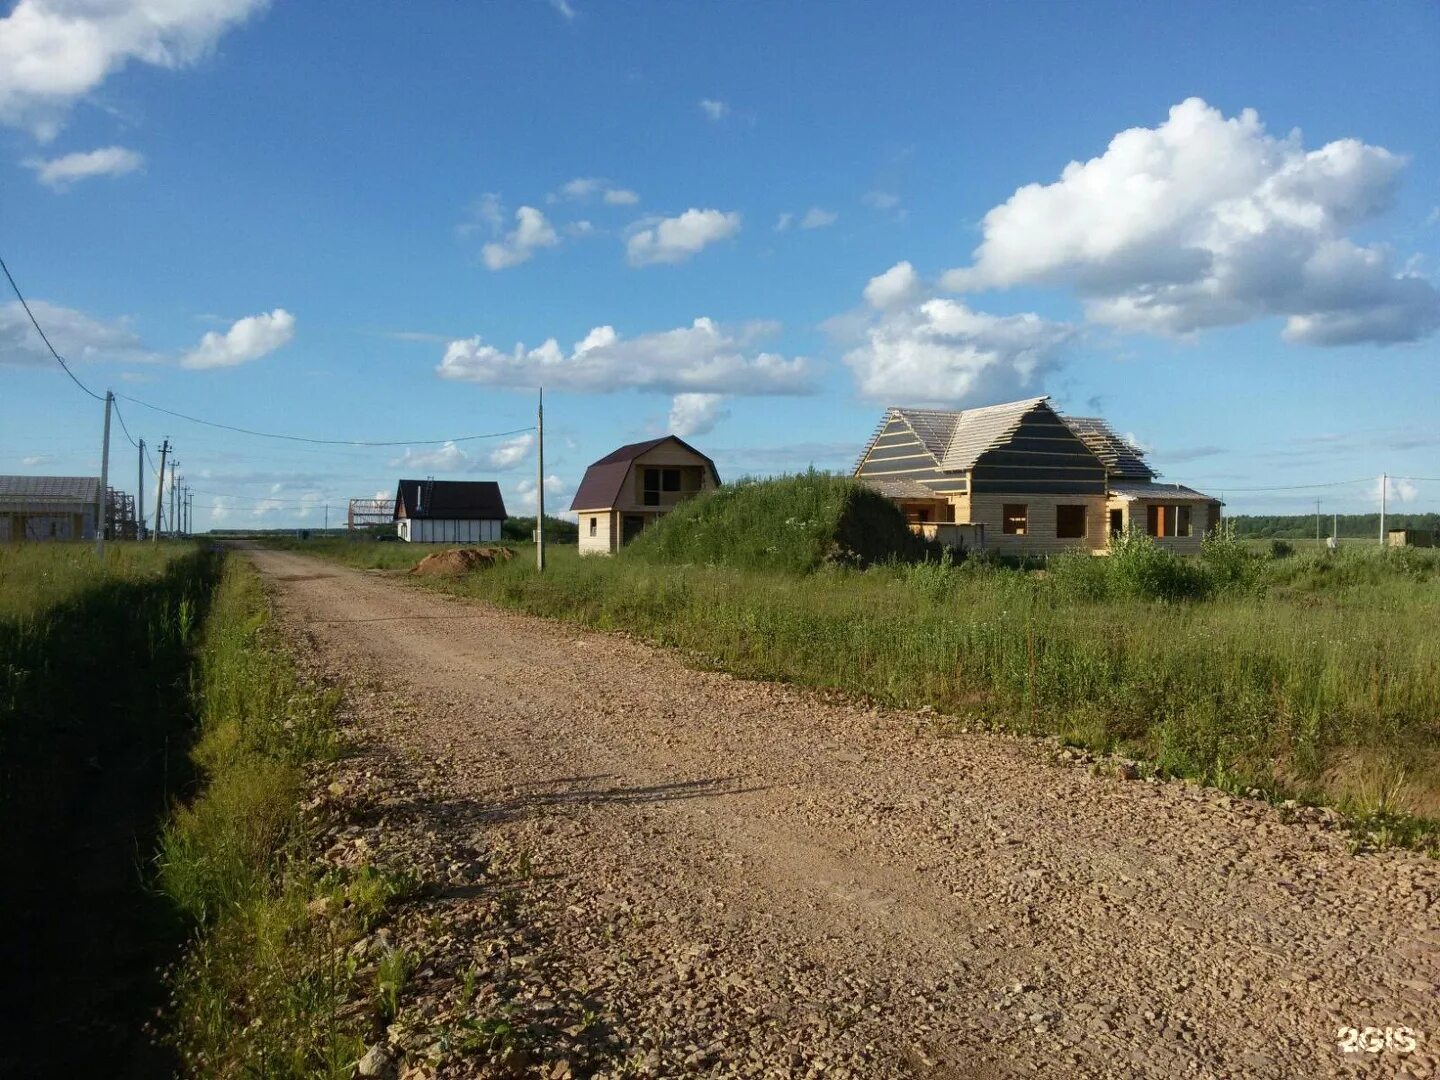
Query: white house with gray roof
[[1028, 479]]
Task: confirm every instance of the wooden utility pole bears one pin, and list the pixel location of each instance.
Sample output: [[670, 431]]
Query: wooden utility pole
[[540, 484], [1317, 522], [140, 496], [104, 481], [160, 493], [174, 503]]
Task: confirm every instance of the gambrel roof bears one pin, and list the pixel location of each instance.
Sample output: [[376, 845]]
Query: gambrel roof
[[1121, 458]]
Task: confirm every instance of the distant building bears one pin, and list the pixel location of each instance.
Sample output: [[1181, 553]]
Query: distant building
[[449, 511], [49, 507], [1410, 538], [633, 486], [1028, 479]]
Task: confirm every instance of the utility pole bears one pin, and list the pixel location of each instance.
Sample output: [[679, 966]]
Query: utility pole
[[327, 519], [540, 484], [140, 496], [190, 512], [1317, 522], [104, 481], [1384, 490], [174, 503], [160, 493]]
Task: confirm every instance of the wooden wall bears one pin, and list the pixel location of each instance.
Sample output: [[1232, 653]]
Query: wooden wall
[[603, 542], [1039, 538], [898, 453], [1044, 457]]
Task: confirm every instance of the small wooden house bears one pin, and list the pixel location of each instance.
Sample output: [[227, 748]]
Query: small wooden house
[[49, 507], [449, 511], [633, 486], [1034, 481]]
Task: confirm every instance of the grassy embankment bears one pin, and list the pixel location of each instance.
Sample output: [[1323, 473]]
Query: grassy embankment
[[1308, 676], [108, 676], [93, 730], [270, 985]]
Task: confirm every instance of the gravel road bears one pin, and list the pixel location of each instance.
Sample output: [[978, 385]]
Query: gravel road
[[736, 878]]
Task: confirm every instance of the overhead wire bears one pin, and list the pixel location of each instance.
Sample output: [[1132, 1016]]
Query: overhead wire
[[36, 323]]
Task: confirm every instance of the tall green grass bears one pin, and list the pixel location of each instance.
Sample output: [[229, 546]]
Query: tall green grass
[[270, 984], [1277, 682]]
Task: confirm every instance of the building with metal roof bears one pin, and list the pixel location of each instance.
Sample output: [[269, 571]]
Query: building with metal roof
[[633, 486], [49, 507], [434, 511], [1036, 481]]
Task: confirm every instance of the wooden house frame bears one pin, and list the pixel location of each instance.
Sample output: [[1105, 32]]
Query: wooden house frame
[[1033, 480]]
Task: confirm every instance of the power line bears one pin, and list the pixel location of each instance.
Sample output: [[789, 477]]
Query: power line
[[323, 442], [1298, 487], [35, 323], [116, 406]]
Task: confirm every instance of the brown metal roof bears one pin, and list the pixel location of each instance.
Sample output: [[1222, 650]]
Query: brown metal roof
[[80, 489], [450, 500], [602, 483], [1120, 457]]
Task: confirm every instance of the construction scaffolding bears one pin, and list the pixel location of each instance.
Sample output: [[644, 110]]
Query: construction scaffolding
[[368, 515], [120, 522]]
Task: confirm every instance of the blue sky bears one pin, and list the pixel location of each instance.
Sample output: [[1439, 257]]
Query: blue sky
[[766, 221]]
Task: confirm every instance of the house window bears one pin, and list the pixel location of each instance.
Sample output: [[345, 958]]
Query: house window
[[1070, 522], [670, 479], [1182, 521], [652, 487], [1015, 519], [594, 523], [1154, 521]]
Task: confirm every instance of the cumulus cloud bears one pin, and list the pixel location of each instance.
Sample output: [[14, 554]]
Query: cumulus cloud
[[695, 414], [532, 231], [1396, 491], [450, 458], [59, 173], [1210, 221], [248, 339], [35, 460], [714, 110], [918, 349], [75, 335], [701, 358], [557, 496], [621, 197], [675, 239], [881, 200], [54, 52], [898, 285]]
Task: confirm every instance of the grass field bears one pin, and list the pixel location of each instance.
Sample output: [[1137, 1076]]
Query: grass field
[[1311, 675]]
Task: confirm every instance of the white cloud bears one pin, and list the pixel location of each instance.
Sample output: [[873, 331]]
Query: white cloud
[[700, 358], [898, 285], [532, 232], [75, 335], [248, 339], [818, 218], [784, 221], [881, 200], [673, 240], [557, 496], [1396, 491], [36, 459], [695, 414], [450, 458], [714, 110], [1207, 221], [565, 10], [59, 173], [583, 188], [915, 350], [54, 52]]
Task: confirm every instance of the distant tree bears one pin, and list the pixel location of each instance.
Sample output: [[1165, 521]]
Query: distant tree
[[557, 530]]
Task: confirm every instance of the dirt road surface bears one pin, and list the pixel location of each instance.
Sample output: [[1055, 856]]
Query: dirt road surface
[[750, 879]]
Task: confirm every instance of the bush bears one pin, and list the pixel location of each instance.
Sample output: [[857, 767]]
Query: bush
[[1141, 569], [1232, 567], [1281, 549]]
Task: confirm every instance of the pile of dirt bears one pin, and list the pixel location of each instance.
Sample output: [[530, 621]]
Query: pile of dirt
[[461, 561]]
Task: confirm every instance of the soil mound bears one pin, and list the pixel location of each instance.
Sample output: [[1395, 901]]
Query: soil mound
[[462, 560]]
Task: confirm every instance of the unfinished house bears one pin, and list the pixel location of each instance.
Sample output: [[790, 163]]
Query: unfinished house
[[449, 511], [49, 507], [1019, 478], [633, 486]]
